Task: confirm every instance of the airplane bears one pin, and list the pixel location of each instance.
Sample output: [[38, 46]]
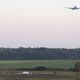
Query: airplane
[[74, 8]]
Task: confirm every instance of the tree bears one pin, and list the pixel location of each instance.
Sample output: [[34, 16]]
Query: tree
[[77, 67]]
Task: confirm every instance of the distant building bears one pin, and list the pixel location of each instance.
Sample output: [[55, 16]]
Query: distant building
[[24, 72]]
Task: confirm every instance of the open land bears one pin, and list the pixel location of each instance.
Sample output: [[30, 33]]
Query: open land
[[8, 70], [13, 64]]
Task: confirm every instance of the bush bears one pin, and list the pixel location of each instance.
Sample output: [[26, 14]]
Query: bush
[[77, 67], [40, 68]]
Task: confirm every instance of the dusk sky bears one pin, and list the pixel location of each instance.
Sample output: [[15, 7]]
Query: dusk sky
[[39, 23]]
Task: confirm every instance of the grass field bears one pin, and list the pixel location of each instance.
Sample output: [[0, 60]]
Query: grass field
[[13, 64], [59, 75]]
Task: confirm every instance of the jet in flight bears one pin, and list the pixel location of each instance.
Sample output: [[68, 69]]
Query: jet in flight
[[74, 8]]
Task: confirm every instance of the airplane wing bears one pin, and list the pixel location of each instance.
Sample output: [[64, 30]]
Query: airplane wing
[[70, 8]]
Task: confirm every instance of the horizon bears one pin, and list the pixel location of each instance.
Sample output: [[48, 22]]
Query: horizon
[[35, 47]]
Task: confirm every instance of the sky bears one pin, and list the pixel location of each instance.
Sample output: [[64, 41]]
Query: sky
[[39, 23]]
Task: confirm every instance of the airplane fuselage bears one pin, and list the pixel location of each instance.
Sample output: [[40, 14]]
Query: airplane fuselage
[[74, 8]]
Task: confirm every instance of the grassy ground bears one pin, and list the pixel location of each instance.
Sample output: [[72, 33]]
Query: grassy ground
[[32, 63], [57, 75]]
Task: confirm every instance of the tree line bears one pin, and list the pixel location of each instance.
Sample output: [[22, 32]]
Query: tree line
[[42, 53]]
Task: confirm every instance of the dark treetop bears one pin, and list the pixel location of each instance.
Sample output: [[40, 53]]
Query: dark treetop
[[38, 53]]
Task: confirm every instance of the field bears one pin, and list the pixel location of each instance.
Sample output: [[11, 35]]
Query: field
[[6, 74], [33, 63], [39, 75]]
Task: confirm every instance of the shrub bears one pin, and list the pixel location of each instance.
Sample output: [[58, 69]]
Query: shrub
[[40, 68], [77, 67]]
